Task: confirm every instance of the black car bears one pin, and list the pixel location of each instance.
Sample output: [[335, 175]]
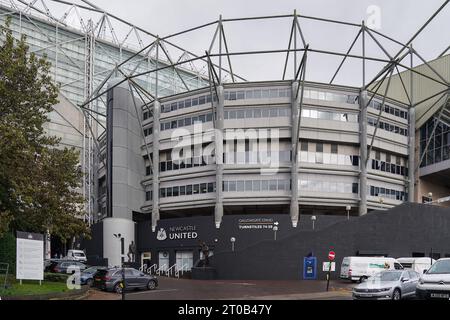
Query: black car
[[111, 280], [63, 266]]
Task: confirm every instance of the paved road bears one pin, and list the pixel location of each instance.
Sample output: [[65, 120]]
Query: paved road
[[186, 289]]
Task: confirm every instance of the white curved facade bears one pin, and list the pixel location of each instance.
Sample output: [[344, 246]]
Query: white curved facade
[[113, 249], [329, 152]]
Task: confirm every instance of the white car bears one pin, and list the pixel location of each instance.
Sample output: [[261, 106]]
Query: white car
[[77, 255], [435, 283], [360, 268]]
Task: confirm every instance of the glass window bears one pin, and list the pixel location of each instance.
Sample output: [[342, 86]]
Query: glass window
[[210, 187], [182, 190], [257, 113], [189, 190], [203, 188], [240, 186], [264, 185], [256, 185], [334, 148], [196, 189], [273, 185], [257, 94], [241, 95], [249, 94], [187, 103], [232, 186], [176, 191], [194, 102], [202, 100]]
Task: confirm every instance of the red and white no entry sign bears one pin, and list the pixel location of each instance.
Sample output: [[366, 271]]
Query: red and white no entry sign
[[331, 255]]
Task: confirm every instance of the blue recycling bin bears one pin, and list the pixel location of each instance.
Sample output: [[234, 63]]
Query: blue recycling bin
[[309, 268]]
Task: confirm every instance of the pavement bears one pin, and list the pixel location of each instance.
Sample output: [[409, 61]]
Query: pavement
[[187, 289]]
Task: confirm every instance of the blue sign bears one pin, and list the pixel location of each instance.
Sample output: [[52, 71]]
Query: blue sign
[[309, 268]]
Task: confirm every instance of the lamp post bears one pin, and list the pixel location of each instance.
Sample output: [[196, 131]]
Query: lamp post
[[233, 240], [313, 219], [381, 200], [119, 236], [348, 208], [275, 229], [430, 197]]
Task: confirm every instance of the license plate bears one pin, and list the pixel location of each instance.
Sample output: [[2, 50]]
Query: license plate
[[440, 295]]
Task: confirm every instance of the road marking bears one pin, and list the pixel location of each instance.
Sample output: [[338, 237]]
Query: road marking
[[151, 291]]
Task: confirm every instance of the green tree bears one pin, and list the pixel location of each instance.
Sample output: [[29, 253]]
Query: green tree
[[39, 182]]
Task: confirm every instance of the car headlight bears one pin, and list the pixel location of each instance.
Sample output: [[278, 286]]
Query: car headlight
[[384, 289]]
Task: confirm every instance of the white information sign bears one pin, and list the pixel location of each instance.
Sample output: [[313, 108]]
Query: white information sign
[[326, 266], [30, 256]]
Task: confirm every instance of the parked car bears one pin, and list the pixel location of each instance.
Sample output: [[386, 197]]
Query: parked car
[[111, 280], [87, 276], [77, 255], [63, 266], [388, 285], [50, 264], [360, 268], [420, 265], [435, 283]]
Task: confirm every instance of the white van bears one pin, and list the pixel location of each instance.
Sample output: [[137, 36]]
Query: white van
[[419, 265], [77, 255], [360, 268]]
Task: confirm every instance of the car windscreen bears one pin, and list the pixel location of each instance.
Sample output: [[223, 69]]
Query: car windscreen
[[440, 267], [386, 276], [78, 254]]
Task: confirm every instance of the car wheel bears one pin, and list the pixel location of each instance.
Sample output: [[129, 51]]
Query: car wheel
[[151, 285], [397, 295], [118, 288], [89, 282]]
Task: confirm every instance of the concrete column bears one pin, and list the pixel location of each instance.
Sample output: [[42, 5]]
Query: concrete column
[[294, 211], [412, 154], [363, 152], [155, 169], [218, 210]]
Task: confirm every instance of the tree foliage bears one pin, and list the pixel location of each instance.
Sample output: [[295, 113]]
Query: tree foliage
[[39, 181]]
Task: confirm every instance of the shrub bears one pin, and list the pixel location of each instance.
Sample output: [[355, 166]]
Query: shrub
[[8, 252]]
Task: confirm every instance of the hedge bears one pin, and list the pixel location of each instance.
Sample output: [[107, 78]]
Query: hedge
[[8, 252]]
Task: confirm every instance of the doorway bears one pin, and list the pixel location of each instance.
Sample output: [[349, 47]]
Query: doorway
[[163, 259]]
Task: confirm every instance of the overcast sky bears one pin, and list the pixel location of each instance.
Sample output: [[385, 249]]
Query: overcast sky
[[400, 19]]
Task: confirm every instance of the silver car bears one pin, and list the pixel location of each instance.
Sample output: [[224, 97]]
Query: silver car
[[435, 283], [388, 285]]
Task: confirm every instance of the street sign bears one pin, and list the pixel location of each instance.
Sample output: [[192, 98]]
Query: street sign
[[327, 268], [331, 255]]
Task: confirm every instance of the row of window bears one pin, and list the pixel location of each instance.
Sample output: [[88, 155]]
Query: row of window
[[387, 126], [389, 167], [203, 118], [328, 186], [257, 185], [277, 185], [186, 163], [248, 113], [329, 158], [187, 190], [387, 193], [330, 96], [329, 115], [389, 109], [231, 95], [187, 103]]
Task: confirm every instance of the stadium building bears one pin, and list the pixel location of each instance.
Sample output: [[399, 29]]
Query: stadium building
[[264, 171]]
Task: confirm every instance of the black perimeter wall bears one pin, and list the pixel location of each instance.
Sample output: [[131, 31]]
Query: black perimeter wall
[[399, 232]]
